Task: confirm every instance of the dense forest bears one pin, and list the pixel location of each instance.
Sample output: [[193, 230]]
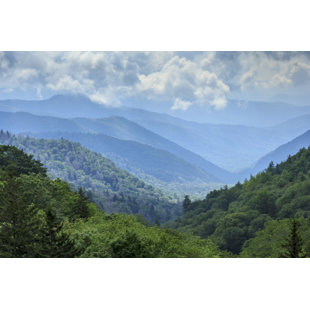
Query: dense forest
[[111, 188], [160, 168], [254, 219], [40, 217]]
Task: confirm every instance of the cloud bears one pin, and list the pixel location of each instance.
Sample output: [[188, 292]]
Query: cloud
[[270, 70], [180, 104], [182, 78]]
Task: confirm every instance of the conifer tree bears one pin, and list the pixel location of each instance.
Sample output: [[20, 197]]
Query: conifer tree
[[293, 245], [20, 225], [186, 203], [81, 209], [56, 243]]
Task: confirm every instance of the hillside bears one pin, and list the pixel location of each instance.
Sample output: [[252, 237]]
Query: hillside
[[281, 153], [233, 217], [121, 128], [43, 218], [21, 122], [293, 127], [113, 189], [157, 167], [117, 127]]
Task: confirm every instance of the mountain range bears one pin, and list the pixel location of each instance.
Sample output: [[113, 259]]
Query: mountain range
[[168, 152]]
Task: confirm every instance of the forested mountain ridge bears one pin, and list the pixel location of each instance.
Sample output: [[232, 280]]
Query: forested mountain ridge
[[231, 147], [44, 218], [155, 166], [117, 127], [124, 129], [240, 219], [114, 189]]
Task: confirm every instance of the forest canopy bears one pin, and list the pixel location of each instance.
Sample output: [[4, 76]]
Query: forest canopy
[[40, 217]]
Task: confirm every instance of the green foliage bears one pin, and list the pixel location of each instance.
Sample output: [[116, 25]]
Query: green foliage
[[279, 239], [293, 244], [120, 235], [20, 222], [40, 217], [80, 208], [113, 189], [243, 219], [32, 209], [186, 204], [16, 160]]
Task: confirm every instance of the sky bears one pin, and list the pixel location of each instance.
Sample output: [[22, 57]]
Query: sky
[[181, 79]]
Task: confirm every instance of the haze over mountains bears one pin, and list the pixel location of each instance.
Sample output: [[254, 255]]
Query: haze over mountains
[[282, 152], [236, 112], [163, 150]]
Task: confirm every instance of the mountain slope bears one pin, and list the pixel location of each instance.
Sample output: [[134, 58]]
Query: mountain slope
[[117, 127], [231, 147], [232, 217], [292, 127], [21, 122], [157, 167], [113, 189], [121, 128], [44, 218], [281, 153]]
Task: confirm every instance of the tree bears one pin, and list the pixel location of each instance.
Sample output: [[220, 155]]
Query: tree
[[130, 246], [186, 203], [56, 243], [81, 209], [20, 222], [293, 245], [270, 167]]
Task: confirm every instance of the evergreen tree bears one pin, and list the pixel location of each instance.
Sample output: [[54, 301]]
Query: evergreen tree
[[293, 245], [20, 223], [81, 209], [56, 243], [186, 203], [270, 167]]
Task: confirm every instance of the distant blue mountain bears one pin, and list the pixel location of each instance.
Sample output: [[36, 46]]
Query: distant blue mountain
[[121, 128], [293, 127], [117, 127], [236, 112], [282, 152], [231, 147], [155, 166]]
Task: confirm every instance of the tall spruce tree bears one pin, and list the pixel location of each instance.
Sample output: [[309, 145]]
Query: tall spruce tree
[[293, 245]]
